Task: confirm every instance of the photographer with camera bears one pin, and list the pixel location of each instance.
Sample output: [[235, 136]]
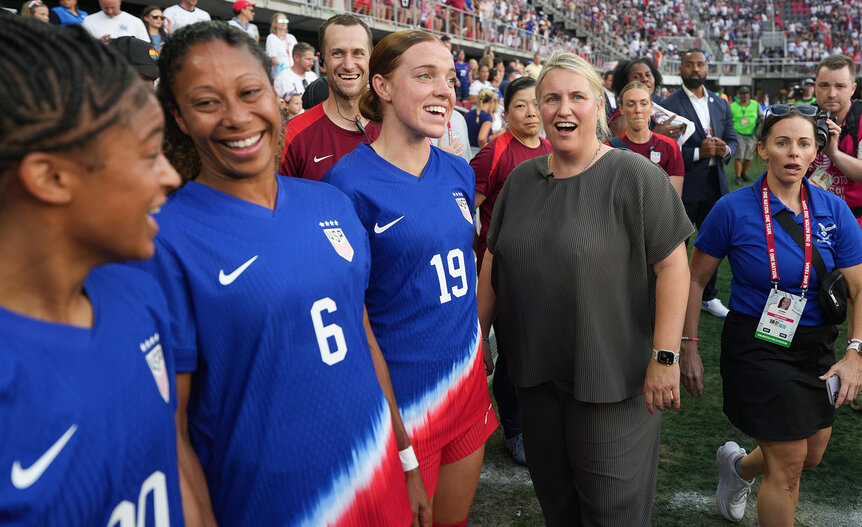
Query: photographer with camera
[[838, 167]]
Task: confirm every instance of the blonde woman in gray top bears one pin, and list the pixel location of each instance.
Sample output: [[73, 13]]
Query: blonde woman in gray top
[[586, 275]]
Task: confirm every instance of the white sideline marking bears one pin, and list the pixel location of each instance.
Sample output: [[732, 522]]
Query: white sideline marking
[[807, 513], [508, 474]]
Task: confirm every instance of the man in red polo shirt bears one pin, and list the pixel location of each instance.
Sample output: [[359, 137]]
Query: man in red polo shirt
[[316, 139]]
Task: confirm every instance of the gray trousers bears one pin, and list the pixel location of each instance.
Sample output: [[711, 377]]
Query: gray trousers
[[591, 464]]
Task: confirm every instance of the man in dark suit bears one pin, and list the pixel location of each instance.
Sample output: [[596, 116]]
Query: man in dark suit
[[705, 153]]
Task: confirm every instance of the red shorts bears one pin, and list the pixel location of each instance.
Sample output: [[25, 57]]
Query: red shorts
[[459, 429]]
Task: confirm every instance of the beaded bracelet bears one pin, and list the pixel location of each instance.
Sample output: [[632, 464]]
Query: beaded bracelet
[[691, 339]]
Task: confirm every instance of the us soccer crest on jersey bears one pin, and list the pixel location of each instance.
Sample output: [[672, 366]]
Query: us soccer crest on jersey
[[155, 357], [338, 239], [464, 206]]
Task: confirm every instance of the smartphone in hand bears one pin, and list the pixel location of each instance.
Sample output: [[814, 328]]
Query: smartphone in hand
[[833, 385]]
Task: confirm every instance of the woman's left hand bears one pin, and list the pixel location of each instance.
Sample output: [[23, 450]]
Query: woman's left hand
[[849, 370], [661, 387], [419, 501]]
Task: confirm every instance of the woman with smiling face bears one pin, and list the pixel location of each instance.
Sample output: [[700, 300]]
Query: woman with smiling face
[[415, 202], [772, 375], [634, 100], [591, 354], [266, 276], [87, 388]]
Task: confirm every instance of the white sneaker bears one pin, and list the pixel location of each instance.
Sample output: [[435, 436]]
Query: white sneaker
[[732, 490], [715, 308]]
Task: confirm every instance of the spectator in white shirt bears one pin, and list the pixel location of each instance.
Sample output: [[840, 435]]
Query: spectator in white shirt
[[480, 83], [297, 77], [243, 15], [279, 44], [185, 13], [113, 22]]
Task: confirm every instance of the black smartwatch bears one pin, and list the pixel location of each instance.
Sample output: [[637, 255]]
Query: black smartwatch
[[666, 357]]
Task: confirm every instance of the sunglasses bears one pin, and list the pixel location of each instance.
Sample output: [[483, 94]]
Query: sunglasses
[[158, 17], [282, 20], [780, 110]]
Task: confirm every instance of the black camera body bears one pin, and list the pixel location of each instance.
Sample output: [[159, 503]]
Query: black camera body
[[821, 128]]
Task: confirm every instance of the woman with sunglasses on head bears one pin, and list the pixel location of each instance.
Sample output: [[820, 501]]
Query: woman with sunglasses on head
[[266, 276], [87, 391], [157, 25], [415, 201], [67, 14], [775, 359]]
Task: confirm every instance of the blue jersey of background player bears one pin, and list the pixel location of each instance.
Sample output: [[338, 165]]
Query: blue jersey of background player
[[88, 432], [87, 395], [286, 412]]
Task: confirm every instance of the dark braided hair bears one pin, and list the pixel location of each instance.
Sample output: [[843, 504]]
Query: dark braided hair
[[59, 88], [179, 148]]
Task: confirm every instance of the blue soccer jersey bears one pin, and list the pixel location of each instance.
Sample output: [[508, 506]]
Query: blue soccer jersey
[[87, 432], [286, 413], [422, 292]]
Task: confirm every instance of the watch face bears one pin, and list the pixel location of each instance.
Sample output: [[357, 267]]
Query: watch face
[[666, 357]]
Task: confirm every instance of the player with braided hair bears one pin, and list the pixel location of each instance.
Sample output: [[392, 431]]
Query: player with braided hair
[[291, 414], [87, 393]]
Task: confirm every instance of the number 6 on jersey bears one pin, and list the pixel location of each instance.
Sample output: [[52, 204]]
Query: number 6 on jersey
[[325, 332], [457, 270]]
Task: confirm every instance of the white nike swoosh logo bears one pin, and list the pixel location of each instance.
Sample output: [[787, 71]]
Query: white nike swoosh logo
[[378, 229], [319, 159], [227, 279], [23, 478]]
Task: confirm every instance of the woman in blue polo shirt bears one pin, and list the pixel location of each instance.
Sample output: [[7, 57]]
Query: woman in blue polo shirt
[[777, 349]]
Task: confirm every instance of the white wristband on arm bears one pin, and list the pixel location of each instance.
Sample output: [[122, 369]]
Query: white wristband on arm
[[408, 459]]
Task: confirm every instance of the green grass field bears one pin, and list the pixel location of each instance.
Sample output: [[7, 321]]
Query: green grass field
[[830, 494]]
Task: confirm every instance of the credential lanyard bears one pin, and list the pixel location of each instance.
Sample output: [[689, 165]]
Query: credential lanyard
[[770, 236]]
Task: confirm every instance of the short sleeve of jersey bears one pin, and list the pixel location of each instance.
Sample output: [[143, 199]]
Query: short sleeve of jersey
[[666, 224], [675, 165], [481, 165], [715, 234], [183, 333]]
